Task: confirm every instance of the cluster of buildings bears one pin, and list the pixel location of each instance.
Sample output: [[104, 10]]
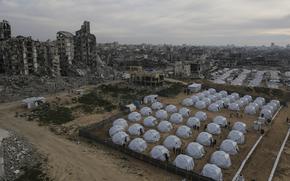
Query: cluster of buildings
[[24, 56]]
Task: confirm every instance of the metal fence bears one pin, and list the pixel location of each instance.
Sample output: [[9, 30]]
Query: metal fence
[[88, 133]]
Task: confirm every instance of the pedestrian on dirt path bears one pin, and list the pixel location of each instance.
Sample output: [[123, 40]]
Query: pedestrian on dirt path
[[205, 126], [240, 178]]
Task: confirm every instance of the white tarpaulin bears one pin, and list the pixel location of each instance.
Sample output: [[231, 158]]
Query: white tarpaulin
[[193, 122], [184, 112], [212, 171], [159, 152], [200, 105], [134, 116], [240, 126], [204, 138], [183, 132], [229, 146], [221, 159], [136, 129], [120, 122], [201, 115], [187, 102], [138, 145], [220, 120], [213, 128], [161, 114], [237, 136], [171, 142], [115, 129], [151, 136], [164, 126], [171, 108], [194, 87], [176, 118], [184, 162], [150, 121], [157, 106], [195, 150], [146, 111], [121, 138]]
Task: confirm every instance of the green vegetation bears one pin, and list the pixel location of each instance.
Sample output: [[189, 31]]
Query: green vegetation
[[55, 114], [172, 91]]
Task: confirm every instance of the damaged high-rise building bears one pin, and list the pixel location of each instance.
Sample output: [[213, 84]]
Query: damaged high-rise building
[[65, 45], [5, 30]]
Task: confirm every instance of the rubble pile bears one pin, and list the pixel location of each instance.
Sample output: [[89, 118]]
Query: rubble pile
[[19, 156]]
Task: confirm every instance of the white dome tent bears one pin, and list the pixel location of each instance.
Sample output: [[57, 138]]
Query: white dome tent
[[250, 110], [193, 122], [220, 120], [207, 101], [184, 162], [276, 102], [184, 112], [220, 103], [172, 142], [176, 118], [115, 129], [194, 99], [121, 138], [200, 105], [150, 121], [219, 96], [234, 106], [240, 126], [159, 152], [237, 136], [241, 102], [164, 126], [201, 115], [200, 95], [249, 98], [204, 138], [195, 150], [134, 117], [120, 122], [171, 108], [260, 101], [212, 171], [221, 159], [255, 105], [212, 90], [269, 107], [157, 105], [226, 100], [213, 128], [266, 113], [151, 136], [229, 146], [224, 93], [161, 114], [273, 105], [213, 98], [206, 93], [187, 102], [184, 131], [245, 100], [214, 107], [138, 145], [231, 98], [236, 95], [136, 129], [146, 111]]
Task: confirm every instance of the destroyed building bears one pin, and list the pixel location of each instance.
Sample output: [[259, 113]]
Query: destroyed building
[[143, 78], [65, 46], [5, 30]]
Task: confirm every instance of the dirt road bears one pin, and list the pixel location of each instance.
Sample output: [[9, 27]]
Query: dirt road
[[68, 161]]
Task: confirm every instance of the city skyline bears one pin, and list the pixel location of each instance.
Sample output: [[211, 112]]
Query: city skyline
[[174, 22]]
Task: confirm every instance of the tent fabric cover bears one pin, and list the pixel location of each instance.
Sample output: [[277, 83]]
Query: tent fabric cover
[[171, 142], [171, 108], [184, 162], [224, 93], [234, 106], [195, 150], [240, 126], [158, 152], [250, 110], [207, 101], [176, 118], [120, 122], [150, 121], [161, 114], [236, 95], [146, 111], [194, 99], [136, 129], [200, 105], [193, 121], [184, 131], [237, 136], [157, 106], [213, 128], [164, 126], [212, 90], [229, 146], [151, 136], [201, 115], [212, 171], [221, 159], [220, 120], [138, 145], [204, 138], [134, 116], [267, 113], [185, 112], [120, 138], [214, 107], [213, 98], [187, 102], [115, 129]]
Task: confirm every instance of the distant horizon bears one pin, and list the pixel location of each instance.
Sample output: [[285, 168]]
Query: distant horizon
[[192, 22]]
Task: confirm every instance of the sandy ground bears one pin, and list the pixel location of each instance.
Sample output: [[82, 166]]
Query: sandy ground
[[68, 161], [283, 169]]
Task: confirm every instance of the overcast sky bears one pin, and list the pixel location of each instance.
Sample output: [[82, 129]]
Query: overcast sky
[[198, 22]]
